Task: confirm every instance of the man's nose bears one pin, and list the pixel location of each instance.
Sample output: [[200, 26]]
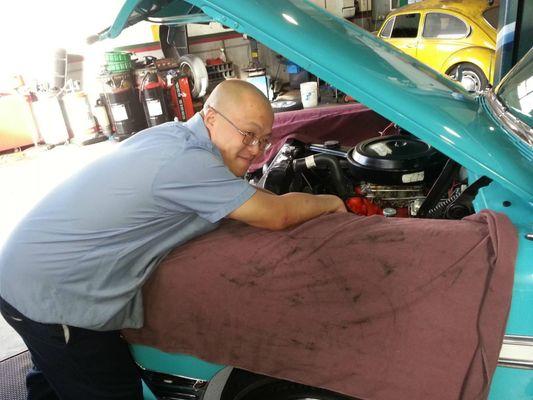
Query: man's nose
[[254, 149]]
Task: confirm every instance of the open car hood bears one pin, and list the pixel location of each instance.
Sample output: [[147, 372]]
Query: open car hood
[[395, 85]]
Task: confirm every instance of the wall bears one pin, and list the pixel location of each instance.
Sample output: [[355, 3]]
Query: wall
[[273, 64], [208, 41]]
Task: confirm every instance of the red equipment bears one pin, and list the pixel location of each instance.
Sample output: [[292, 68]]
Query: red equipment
[[181, 98], [153, 99]]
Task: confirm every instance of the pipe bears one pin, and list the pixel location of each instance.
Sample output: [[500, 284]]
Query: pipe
[[324, 161]]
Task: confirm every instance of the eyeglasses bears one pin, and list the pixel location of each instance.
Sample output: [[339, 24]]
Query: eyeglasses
[[248, 138]]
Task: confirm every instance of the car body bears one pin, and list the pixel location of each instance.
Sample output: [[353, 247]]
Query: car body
[[465, 127], [446, 35]]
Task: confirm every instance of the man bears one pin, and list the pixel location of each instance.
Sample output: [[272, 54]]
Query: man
[[71, 273]]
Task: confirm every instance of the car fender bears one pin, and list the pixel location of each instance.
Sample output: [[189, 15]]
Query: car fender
[[481, 57]]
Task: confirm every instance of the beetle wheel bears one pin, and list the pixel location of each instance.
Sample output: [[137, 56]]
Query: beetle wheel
[[472, 77]]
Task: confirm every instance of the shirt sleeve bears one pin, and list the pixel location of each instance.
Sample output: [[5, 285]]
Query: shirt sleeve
[[198, 181]]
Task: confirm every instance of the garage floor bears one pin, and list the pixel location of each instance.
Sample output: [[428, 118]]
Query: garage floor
[[25, 178], [12, 376]]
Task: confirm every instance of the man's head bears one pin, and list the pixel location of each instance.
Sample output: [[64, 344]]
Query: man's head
[[235, 108]]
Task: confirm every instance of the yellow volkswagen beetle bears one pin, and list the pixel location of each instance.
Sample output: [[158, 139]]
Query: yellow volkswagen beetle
[[454, 37]]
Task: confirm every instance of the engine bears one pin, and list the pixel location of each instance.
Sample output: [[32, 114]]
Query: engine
[[400, 201], [396, 175]]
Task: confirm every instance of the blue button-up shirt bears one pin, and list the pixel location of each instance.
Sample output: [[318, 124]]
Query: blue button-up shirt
[[81, 256]]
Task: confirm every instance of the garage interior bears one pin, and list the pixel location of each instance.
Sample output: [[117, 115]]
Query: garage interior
[[86, 104]]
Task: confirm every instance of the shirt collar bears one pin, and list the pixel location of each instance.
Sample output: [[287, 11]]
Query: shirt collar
[[197, 125]]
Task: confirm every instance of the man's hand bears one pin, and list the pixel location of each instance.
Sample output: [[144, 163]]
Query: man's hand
[[340, 206], [270, 211]]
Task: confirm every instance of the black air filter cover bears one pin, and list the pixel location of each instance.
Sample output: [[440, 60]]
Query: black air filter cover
[[394, 160]]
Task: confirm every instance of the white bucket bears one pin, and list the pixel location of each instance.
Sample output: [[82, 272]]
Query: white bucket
[[309, 93]]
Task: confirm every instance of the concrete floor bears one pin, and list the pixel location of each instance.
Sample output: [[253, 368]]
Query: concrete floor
[[25, 177]]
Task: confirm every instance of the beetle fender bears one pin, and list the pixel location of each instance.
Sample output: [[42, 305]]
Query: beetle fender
[[482, 57]]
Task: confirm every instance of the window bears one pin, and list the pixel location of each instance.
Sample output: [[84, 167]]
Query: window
[[491, 16], [444, 26], [516, 91], [405, 26], [385, 32]]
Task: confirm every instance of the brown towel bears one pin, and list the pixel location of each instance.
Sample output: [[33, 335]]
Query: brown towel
[[371, 307]]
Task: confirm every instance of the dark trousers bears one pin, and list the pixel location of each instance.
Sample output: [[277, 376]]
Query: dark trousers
[[73, 363]]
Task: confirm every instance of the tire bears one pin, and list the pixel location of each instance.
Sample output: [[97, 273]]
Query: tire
[[283, 390], [473, 78], [286, 105], [195, 69]]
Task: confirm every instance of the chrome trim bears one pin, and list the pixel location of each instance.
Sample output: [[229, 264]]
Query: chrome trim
[[516, 352], [181, 19], [515, 125], [514, 364], [516, 339], [197, 382]]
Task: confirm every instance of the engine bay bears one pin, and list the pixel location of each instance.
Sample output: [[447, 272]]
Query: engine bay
[[392, 175]]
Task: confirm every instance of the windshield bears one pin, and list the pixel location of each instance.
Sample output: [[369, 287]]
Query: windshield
[[516, 90]]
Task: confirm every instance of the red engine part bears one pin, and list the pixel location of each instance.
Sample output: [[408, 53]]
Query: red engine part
[[181, 99], [363, 206], [402, 212]]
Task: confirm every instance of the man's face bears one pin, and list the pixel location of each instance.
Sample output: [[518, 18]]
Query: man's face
[[224, 125]]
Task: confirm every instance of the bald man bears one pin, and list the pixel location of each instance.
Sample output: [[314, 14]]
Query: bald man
[[71, 272], [238, 113]]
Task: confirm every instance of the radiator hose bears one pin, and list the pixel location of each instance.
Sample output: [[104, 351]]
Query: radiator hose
[[324, 161]]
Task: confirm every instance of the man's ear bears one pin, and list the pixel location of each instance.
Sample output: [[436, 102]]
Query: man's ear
[[209, 117]]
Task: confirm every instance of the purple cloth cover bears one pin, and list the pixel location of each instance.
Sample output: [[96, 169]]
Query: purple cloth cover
[[372, 307], [347, 123]]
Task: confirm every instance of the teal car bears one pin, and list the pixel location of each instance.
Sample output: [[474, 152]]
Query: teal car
[[489, 135]]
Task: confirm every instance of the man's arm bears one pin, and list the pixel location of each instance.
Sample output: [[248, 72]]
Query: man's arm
[[274, 212]]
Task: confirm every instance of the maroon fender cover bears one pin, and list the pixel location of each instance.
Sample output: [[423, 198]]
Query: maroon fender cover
[[371, 307]]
